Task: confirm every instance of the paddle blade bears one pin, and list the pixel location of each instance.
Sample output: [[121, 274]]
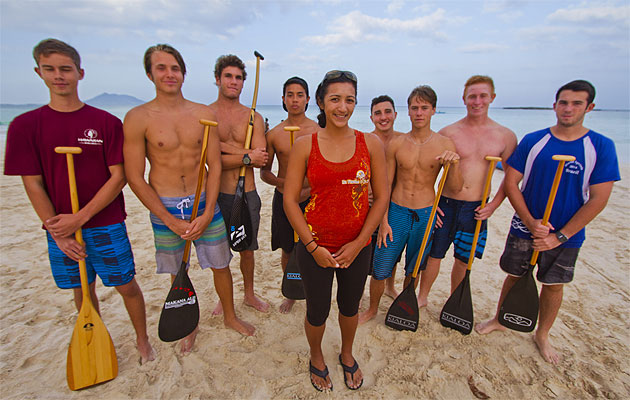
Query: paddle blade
[[457, 313], [292, 285], [91, 354], [180, 313], [403, 313], [519, 310], [240, 229]]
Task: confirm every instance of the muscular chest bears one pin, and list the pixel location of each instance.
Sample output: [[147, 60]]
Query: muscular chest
[[412, 159], [171, 135], [479, 146]]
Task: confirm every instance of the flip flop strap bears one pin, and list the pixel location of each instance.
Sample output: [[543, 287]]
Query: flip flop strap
[[321, 373]]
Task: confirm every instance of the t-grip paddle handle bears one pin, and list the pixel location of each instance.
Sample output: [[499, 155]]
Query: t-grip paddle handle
[[292, 130], [552, 195]]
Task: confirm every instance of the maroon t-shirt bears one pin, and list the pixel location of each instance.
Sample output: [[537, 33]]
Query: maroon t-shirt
[[31, 141]]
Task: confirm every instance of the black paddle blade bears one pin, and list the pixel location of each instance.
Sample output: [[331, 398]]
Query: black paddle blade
[[457, 313], [180, 314], [403, 313], [240, 227], [292, 286], [519, 310]]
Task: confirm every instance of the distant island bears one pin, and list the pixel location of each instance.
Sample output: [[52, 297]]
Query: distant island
[[102, 100], [528, 108]]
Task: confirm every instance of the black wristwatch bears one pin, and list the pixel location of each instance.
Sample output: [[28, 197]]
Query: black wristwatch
[[561, 237], [246, 159]]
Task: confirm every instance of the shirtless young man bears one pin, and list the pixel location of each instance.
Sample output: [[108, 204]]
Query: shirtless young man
[[383, 114], [295, 100], [583, 192], [413, 161], [475, 136], [167, 132], [233, 117]]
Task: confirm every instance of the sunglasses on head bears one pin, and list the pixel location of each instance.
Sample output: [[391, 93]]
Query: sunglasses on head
[[334, 74]]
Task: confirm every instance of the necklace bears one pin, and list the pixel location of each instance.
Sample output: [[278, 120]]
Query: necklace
[[423, 142]]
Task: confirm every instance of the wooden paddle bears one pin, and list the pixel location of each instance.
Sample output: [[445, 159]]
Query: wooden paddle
[[403, 313], [519, 310], [91, 354], [292, 285], [180, 313], [240, 233], [457, 313]]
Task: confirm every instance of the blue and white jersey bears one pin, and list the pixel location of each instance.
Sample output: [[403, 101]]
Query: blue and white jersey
[[595, 162]]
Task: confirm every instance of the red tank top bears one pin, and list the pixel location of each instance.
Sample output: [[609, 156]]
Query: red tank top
[[339, 195]]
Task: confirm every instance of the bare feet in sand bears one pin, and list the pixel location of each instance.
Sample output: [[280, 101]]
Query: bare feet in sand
[[422, 302], [366, 315], [240, 326], [545, 348], [218, 310], [146, 351], [255, 302], [390, 292], [188, 342], [488, 326], [286, 306]]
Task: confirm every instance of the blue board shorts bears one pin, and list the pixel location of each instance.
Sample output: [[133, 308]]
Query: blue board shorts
[[109, 256], [408, 226], [458, 227], [213, 250]]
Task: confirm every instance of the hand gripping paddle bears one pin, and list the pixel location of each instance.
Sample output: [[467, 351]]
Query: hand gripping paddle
[[180, 313], [457, 313], [403, 313], [519, 310], [91, 354], [292, 285], [240, 233]]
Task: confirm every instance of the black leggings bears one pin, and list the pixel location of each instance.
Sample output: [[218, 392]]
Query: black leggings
[[318, 285]]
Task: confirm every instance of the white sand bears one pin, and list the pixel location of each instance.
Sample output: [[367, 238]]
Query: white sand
[[591, 331]]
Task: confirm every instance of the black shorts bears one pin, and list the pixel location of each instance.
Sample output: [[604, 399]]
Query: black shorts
[[555, 266], [226, 201], [281, 229]]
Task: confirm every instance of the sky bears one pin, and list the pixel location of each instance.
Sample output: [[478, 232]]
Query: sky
[[530, 48]]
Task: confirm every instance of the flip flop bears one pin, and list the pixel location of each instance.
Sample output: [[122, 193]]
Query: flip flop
[[351, 371], [322, 374]]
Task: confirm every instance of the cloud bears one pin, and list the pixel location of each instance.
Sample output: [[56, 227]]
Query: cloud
[[394, 6], [356, 27], [483, 48], [606, 14]]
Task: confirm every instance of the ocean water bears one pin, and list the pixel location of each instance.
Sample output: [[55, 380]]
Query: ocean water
[[614, 124]]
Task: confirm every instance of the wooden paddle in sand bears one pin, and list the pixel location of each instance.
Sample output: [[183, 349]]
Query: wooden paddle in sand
[[292, 285], [519, 310], [403, 314], [457, 313], [180, 313], [91, 354]]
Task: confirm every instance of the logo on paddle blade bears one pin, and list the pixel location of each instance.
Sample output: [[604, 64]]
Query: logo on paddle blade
[[402, 322], [294, 275], [455, 320], [88, 326], [517, 319], [406, 307], [180, 302], [237, 235]]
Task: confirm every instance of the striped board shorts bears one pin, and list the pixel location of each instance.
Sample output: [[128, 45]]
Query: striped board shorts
[[213, 250]]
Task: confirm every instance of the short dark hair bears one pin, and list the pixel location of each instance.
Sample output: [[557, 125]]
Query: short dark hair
[[298, 81], [579, 85], [381, 99], [322, 89], [424, 92], [51, 46], [228, 60], [167, 49]]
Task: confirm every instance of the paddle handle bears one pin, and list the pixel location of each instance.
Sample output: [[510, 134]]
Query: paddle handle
[[486, 189], [429, 226], [74, 200], [292, 130], [552, 196], [252, 113]]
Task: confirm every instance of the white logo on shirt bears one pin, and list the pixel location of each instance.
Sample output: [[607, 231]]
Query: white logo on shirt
[[361, 179], [91, 136], [573, 167]]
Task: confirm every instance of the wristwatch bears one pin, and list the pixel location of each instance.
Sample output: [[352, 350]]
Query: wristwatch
[[561, 237], [246, 159]]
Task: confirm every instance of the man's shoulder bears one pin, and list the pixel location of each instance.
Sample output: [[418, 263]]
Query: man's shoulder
[[452, 128], [28, 117]]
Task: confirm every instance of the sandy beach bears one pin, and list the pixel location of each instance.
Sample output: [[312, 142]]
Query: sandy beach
[[591, 332]]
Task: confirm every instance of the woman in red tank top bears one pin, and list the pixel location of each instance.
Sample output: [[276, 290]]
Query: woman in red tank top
[[335, 229]]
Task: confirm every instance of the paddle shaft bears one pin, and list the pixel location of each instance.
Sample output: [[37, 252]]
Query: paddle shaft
[[427, 230], [552, 196], [252, 113], [486, 189]]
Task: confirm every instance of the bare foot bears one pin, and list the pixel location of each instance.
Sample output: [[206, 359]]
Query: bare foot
[[240, 326], [146, 351], [256, 303], [488, 326], [366, 315], [545, 348], [391, 292], [188, 342], [286, 306], [422, 302], [218, 310]]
